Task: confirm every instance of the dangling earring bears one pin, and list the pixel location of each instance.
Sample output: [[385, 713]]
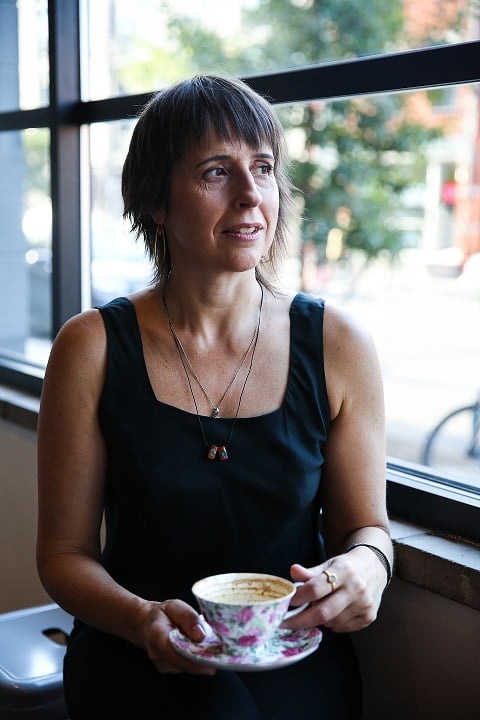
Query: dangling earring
[[271, 254], [160, 236]]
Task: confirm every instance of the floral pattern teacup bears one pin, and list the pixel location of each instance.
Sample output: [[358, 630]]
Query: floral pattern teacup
[[245, 609]]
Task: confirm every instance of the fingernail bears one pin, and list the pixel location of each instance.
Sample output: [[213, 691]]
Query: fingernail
[[198, 632]]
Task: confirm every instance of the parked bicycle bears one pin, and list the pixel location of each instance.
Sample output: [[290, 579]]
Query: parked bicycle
[[453, 446]]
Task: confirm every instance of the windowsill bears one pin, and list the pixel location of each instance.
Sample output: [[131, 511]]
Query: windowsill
[[19, 408], [446, 566]]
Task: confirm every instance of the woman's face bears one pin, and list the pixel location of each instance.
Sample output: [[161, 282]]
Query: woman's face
[[223, 206]]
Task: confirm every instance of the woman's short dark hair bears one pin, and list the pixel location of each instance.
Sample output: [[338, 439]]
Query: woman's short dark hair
[[182, 114]]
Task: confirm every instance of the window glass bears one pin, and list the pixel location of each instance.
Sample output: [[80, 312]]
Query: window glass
[[24, 66], [118, 262], [390, 229], [25, 249], [152, 42]]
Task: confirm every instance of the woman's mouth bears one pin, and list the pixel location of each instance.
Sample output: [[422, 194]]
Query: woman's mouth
[[244, 231]]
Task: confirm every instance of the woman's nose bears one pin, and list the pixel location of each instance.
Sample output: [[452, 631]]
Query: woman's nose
[[247, 193]]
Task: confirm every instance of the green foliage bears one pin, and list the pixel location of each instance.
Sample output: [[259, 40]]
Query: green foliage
[[206, 52], [158, 67], [303, 32], [358, 157], [187, 47]]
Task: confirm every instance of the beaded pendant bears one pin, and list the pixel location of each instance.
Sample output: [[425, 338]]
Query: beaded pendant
[[222, 452], [214, 451]]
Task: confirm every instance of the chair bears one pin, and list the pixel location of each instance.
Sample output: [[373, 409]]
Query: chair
[[32, 647]]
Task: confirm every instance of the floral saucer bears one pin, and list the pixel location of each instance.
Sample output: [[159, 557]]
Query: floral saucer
[[286, 647]]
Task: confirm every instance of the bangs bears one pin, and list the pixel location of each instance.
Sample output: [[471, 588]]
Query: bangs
[[205, 106]]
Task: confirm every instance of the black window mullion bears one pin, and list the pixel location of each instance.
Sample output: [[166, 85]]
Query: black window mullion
[[22, 119], [64, 46], [411, 70]]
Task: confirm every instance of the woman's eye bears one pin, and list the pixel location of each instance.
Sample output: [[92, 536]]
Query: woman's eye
[[215, 172], [265, 169]]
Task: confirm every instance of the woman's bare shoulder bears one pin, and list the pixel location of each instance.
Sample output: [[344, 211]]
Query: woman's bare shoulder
[[84, 331], [79, 350], [350, 356], [344, 333]]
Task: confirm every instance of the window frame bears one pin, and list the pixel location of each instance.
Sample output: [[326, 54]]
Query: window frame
[[414, 494]]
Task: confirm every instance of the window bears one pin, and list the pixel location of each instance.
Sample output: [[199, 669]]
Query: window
[[382, 119], [388, 194], [118, 264], [24, 45], [26, 245], [150, 42]]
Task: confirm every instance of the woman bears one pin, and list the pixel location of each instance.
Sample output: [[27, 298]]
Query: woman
[[213, 418]]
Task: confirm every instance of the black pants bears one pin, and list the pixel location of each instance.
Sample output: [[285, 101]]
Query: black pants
[[105, 678]]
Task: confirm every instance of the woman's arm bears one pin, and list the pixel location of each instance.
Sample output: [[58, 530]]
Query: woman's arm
[[71, 480], [353, 485], [354, 478]]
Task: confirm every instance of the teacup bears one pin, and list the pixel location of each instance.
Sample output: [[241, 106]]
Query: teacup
[[245, 609]]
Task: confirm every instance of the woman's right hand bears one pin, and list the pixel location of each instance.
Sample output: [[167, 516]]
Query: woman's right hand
[[160, 620]]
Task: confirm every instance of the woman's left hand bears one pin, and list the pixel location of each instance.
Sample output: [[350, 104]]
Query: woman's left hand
[[346, 599]]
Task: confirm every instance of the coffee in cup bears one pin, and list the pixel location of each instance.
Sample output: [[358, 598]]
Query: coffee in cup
[[245, 609]]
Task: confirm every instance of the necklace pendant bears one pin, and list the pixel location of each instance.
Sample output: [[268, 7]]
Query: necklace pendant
[[222, 452], [215, 451], [212, 452]]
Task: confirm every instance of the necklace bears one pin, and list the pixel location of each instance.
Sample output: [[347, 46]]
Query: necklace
[[184, 356], [214, 450]]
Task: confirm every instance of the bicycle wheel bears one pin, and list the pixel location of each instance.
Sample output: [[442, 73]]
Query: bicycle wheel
[[453, 446]]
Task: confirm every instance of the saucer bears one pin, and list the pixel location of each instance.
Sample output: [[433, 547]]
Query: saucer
[[286, 647]]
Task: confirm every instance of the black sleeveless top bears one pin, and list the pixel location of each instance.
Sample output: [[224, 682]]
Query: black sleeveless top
[[174, 516]]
